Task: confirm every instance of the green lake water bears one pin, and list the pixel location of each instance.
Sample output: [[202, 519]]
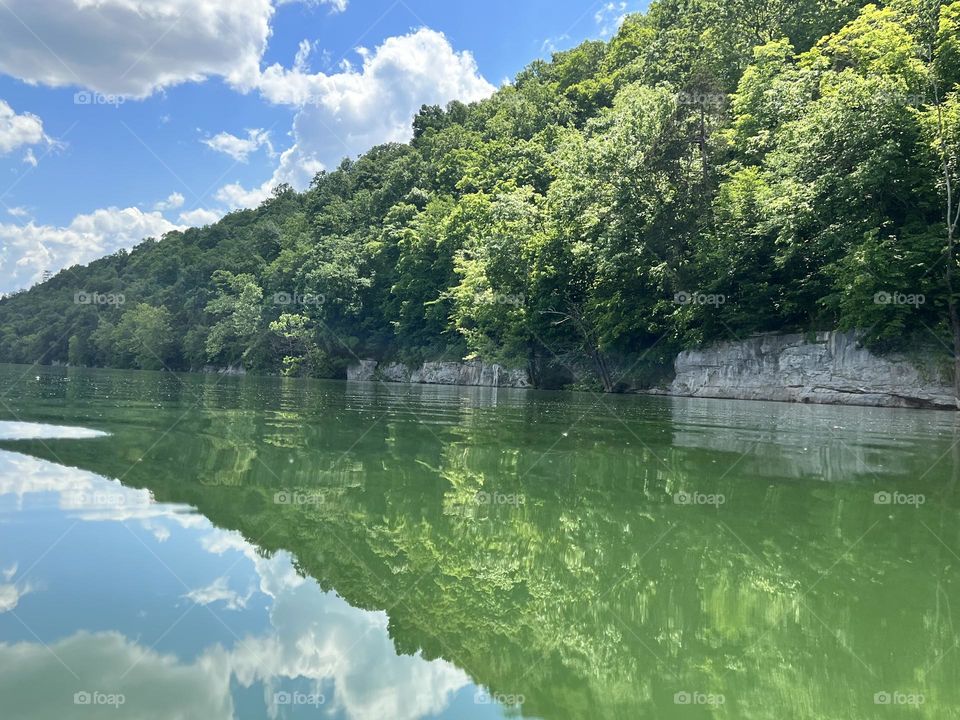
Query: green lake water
[[177, 546]]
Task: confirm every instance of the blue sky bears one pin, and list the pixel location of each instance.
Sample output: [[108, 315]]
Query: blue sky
[[126, 118]]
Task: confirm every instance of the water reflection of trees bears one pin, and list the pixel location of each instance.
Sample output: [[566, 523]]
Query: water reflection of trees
[[596, 596]]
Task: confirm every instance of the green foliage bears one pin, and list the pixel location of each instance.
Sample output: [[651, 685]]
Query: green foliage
[[786, 160], [237, 308], [145, 334], [76, 351]]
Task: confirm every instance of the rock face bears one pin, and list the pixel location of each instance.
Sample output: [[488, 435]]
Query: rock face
[[832, 369], [440, 373], [362, 371]]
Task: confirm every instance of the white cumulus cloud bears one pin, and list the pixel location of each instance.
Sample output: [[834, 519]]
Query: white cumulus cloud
[[239, 148], [18, 130], [346, 113], [296, 168], [173, 201], [10, 596], [610, 17], [133, 48], [27, 250], [219, 591], [200, 217], [236, 195]]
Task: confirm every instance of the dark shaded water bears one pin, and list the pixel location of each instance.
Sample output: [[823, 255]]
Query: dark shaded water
[[276, 548]]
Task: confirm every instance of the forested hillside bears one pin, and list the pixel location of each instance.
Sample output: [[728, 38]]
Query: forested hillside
[[719, 168]]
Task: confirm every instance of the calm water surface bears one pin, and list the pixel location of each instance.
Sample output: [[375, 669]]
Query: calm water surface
[[212, 548]]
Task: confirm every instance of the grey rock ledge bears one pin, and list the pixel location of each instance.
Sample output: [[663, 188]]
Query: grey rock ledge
[[831, 369]]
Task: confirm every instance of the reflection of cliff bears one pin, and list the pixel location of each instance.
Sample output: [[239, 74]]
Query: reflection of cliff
[[596, 596], [780, 441]]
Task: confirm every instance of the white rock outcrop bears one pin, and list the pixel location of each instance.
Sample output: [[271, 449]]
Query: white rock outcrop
[[830, 369]]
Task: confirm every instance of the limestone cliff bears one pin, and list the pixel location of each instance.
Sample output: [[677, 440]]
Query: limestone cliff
[[831, 368]]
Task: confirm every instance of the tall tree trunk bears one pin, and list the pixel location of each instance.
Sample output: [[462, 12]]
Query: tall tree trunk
[[533, 364], [603, 371], [702, 141]]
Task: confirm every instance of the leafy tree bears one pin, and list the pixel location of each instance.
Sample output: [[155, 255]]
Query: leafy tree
[[294, 335], [238, 309], [145, 334]]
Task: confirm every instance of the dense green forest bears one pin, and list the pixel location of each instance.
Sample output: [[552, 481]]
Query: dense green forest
[[719, 168]]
